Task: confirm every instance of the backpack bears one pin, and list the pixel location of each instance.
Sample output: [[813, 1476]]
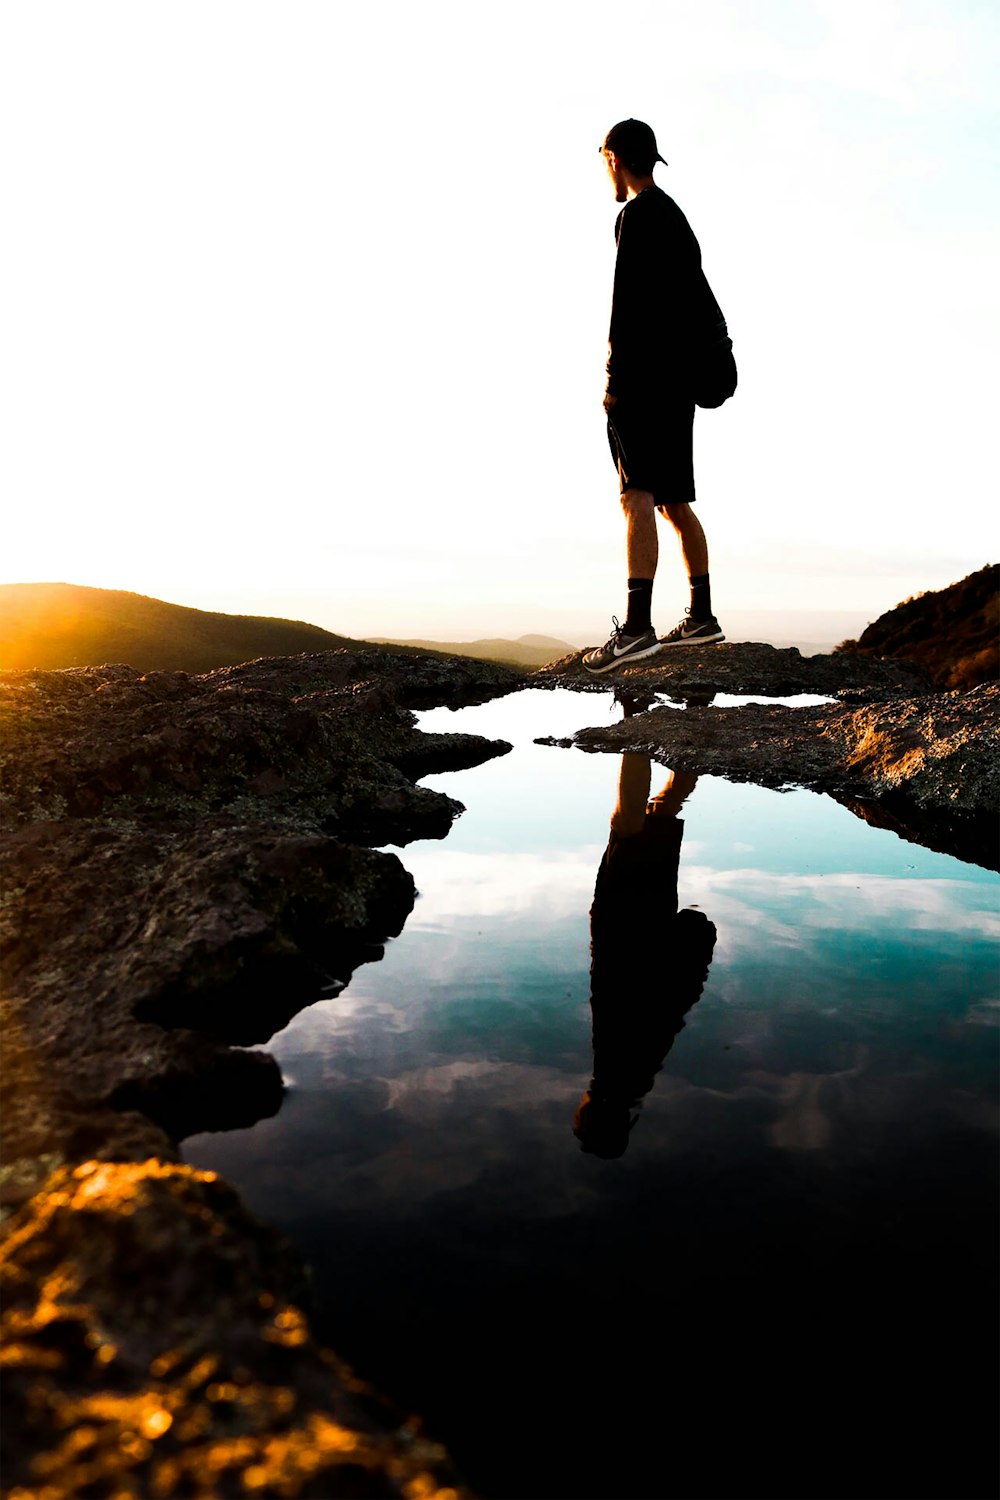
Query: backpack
[[713, 366]]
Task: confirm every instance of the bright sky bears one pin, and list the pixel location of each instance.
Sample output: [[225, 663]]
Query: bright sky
[[305, 304]]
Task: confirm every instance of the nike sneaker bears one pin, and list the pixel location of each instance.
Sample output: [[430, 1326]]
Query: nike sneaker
[[619, 649], [693, 632]]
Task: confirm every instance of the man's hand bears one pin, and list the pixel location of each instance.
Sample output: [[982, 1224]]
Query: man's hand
[[609, 402]]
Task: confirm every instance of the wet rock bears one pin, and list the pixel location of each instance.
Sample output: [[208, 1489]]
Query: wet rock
[[186, 863], [686, 672], [320, 743], [132, 956], [930, 763], [155, 1344]]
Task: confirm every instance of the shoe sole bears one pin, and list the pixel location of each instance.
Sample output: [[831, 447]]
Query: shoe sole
[[623, 661], [695, 640]]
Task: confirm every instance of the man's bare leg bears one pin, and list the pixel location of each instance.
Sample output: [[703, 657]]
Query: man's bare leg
[[635, 638], [642, 545], [700, 623], [634, 779], [694, 547], [642, 549], [676, 789]]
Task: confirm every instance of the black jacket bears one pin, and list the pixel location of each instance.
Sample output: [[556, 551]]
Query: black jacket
[[661, 302]]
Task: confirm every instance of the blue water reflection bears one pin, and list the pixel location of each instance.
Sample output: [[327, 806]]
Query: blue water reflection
[[806, 1205]]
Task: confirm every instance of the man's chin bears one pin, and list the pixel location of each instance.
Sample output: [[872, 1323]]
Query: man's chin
[[622, 195]]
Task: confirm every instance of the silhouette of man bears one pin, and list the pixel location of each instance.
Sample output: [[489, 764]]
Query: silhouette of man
[[648, 960], [664, 321]]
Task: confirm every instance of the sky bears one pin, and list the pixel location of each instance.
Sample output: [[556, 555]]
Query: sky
[[305, 305]]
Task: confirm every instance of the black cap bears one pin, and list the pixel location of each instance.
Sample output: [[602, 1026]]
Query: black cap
[[634, 143]]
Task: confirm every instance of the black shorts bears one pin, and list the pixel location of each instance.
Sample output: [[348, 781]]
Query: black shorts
[[652, 444]]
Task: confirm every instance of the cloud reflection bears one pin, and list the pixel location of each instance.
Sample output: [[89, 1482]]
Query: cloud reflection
[[538, 886], [852, 899]]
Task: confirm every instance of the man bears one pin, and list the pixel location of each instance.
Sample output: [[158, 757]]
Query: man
[[649, 961], [663, 315]]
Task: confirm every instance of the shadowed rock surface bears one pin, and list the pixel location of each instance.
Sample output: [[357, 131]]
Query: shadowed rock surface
[[186, 864], [185, 867], [325, 742], [741, 667], [927, 767], [897, 750], [952, 633]]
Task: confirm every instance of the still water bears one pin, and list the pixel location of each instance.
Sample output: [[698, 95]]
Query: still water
[[764, 1269]]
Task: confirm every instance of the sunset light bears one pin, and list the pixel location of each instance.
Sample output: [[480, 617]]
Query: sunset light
[[308, 309], [499, 728]]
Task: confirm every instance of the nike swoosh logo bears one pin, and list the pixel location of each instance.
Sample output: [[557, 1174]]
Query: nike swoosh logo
[[615, 651]]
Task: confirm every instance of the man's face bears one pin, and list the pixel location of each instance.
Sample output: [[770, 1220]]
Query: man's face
[[615, 173]]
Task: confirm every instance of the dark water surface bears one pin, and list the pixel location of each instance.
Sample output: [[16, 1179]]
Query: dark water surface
[[784, 1282]]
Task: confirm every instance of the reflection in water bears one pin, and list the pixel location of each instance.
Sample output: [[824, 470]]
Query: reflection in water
[[785, 1285], [649, 962]]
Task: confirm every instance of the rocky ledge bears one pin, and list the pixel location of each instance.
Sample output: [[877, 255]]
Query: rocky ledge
[[187, 861], [923, 763], [691, 672]]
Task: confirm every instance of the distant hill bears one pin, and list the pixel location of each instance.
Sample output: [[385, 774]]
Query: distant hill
[[526, 651], [52, 625], [953, 633]]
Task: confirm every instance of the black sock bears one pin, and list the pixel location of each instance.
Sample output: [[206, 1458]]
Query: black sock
[[701, 598], [640, 602]]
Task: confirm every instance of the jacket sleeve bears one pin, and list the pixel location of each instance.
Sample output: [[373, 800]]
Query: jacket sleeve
[[629, 307]]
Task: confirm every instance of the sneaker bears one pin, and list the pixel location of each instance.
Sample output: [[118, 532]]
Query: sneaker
[[620, 649], [693, 632]]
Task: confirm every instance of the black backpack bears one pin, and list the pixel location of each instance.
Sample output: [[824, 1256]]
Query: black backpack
[[713, 365]]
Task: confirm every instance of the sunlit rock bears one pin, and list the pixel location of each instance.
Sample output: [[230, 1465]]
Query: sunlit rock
[[155, 1345]]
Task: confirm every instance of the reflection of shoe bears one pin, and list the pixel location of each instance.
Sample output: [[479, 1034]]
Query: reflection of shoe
[[693, 632], [634, 703], [620, 648]]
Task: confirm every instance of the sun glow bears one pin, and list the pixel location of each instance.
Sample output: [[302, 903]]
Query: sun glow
[[266, 361]]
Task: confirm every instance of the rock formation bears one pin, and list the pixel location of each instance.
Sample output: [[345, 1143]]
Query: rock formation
[[155, 1345], [925, 764], [692, 672], [187, 861], [952, 633]]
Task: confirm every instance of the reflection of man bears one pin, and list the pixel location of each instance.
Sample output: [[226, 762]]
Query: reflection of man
[[648, 960], [662, 312]]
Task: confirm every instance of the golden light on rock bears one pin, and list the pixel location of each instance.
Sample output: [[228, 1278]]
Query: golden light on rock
[[156, 1422], [147, 1410]]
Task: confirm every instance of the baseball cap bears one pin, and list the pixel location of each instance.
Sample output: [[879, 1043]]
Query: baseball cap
[[634, 142]]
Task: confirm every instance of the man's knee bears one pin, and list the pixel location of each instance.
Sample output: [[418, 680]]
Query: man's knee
[[637, 502], [678, 515]]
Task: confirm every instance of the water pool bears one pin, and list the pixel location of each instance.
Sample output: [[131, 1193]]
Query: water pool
[[783, 1283]]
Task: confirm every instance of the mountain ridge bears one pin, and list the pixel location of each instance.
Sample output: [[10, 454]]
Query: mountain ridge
[[525, 651], [953, 633], [54, 626]]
